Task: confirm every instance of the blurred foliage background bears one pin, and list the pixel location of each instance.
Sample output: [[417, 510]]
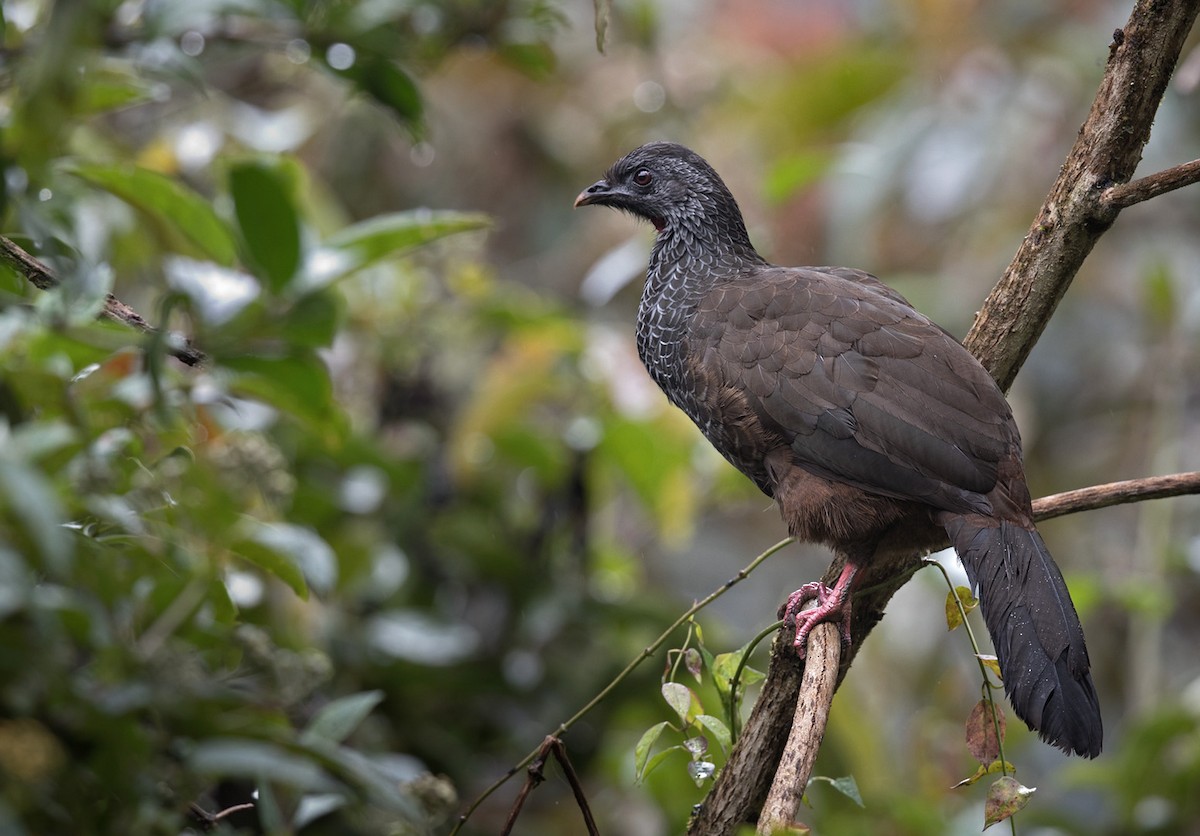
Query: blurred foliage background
[[422, 502]]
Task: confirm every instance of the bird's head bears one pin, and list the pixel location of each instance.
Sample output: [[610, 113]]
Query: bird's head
[[668, 185]]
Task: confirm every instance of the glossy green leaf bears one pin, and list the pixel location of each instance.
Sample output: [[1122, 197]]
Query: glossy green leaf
[[265, 206], [338, 720], [681, 699], [313, 320], [300, 547], [255, 759], [641, 752], [272, 560], [166, 200], [384, 236], [846, 785], [717, 728], [383, 80], [298, 384], [36, 510]]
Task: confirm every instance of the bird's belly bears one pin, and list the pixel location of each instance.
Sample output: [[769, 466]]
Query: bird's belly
[[820, 510]]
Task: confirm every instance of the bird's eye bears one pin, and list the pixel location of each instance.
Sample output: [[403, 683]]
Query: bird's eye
[[643, 177]]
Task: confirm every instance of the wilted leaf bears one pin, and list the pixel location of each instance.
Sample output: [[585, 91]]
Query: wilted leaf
[[991, 663], [1005, 798], [641, 752], [602, 9], [954, 615], [339, 719], [846, 785], [266, 213], [982, 742], [991, 769], [693, 662], [168, 201]]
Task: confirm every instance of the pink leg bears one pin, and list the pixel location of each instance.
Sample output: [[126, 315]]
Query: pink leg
[[832, 603]]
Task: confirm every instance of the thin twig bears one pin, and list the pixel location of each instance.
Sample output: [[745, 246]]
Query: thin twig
[[42, 277], [1144, 188], [535, 776], [649, 651]]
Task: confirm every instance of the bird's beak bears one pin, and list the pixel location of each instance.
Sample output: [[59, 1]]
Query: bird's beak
[[595, 193]]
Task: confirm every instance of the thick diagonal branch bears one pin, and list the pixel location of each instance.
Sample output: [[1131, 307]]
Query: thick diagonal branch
[[1073, 217]]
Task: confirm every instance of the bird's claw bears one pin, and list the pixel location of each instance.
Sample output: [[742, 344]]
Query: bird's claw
[[831, 604]]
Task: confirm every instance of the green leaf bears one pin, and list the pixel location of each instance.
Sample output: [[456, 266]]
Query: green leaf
[[846, 785], [794, 172], [641, 752], [659, 758], [384, 81], [338, 720], [265, 206], [301, 547], [313, 321], [167, 201], [983, 771], [272, 561], [717, 728], [681, 699], [35, 509], [254, 759], [954, 614], [298, 384], [1005, 799], [383, 236]]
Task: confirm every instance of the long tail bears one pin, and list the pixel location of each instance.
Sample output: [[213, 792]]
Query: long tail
[[1036, 633]]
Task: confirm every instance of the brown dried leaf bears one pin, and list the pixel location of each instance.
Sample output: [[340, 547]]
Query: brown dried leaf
[[982, 742]]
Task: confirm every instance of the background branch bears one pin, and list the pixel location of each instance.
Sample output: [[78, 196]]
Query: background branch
[[42, 277], [1072, 218]]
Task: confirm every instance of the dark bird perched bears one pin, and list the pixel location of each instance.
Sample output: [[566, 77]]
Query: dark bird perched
[[854, 412]]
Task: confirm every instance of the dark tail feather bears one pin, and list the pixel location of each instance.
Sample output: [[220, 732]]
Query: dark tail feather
[[1036, 633]]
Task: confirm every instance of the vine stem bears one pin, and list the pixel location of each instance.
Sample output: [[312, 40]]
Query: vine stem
[[649, 651], [983, 671]]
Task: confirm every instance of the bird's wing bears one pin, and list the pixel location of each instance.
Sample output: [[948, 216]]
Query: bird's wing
[[865, 390]]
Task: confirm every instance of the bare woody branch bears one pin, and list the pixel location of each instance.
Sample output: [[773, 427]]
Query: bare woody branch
[[42, 277], [1144, 188], [1078, 209]]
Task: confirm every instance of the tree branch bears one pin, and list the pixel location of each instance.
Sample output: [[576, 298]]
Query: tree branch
[[42, 277], [808, 730], [1153, 185], [1116, 493], [1077, 211]]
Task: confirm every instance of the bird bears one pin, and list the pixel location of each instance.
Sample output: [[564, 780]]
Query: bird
[[854, 412]]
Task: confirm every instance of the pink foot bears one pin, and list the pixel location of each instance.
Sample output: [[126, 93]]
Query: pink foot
[[832, 604]]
